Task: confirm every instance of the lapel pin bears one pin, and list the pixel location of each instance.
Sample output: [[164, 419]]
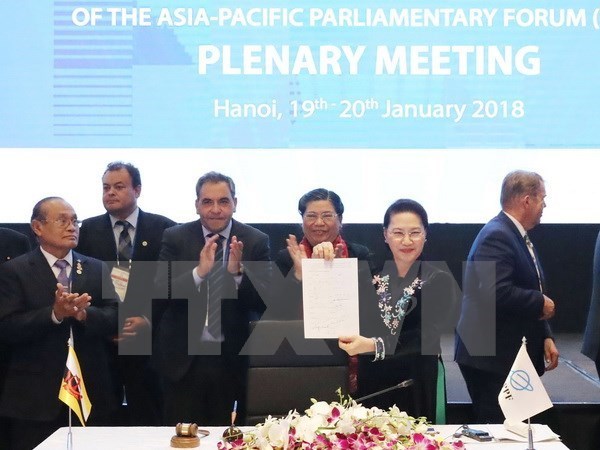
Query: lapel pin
[[144, 243], [79, 267]]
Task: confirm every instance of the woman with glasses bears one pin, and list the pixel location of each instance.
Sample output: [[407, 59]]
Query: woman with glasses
[[403, 314], [321, 212]]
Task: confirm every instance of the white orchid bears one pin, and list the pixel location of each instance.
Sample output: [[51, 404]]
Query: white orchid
[[344, 424]]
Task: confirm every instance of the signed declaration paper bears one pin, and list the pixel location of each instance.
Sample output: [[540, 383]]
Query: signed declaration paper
[[330, 296]]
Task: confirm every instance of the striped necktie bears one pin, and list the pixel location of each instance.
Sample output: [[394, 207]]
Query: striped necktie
[[62, 277], [535, 262], [216, 278], [125, 248]]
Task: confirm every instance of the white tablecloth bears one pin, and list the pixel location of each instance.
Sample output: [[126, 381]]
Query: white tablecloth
[[159, 438], [446, 431], [124, 438]]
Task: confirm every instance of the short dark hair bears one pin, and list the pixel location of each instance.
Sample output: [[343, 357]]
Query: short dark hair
[[38, 213], [134, 172], [321, 194], [215, 177], [406, 205], [519, 183]]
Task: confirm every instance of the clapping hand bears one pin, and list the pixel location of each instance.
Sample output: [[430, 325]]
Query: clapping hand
[[207, 256], [234, 263], [70, 304], [297, 253]]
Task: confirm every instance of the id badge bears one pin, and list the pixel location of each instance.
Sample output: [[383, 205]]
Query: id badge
[[120, 279]]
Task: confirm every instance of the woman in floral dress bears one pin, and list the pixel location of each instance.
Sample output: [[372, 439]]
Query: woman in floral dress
[[411, 303]]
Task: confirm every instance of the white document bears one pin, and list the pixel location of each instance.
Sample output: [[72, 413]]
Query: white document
[[519, 432], [330, 297]]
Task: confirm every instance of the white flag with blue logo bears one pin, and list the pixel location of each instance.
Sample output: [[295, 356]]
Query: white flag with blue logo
[[523, 394]]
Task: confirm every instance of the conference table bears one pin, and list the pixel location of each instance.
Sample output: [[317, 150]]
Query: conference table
[[159, 438]]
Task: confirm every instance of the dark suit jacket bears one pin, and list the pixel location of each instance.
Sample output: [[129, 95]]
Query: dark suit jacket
[[39, 346], [591, 336], [181, 245], [287, 299], [12, 244], [514, 296], [97, 239]]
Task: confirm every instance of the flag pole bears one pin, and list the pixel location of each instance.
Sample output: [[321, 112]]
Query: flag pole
[[72, 391], [529, 435], [529, 431], [70, 433]]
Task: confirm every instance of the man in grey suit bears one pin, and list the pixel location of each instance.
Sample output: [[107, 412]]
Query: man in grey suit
[[511, 294], [37, 315], [201, 334], [102, 237]]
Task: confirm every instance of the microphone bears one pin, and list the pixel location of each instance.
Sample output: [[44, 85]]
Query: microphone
[[404, 384]]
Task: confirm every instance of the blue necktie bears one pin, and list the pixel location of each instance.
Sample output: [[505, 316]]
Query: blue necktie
[[216, 278]]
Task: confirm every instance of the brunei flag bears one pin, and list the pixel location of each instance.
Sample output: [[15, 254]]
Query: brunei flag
[[72, 388]]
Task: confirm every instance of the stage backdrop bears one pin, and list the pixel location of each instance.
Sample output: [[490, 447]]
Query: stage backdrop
[[299, 74]]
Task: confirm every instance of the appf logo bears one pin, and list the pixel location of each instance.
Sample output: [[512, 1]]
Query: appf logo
[[517, 380], [523, 394], [520, 380]]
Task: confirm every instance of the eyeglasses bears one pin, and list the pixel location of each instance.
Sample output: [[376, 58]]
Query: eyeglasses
[[414, 235], [325, 217], [63, 223]]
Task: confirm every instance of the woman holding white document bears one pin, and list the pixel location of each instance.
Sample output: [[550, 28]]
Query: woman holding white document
[[322, 211], [402, 315]]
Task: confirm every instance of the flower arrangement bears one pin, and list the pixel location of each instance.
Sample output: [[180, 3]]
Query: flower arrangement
[[341, 425], [393, 315]]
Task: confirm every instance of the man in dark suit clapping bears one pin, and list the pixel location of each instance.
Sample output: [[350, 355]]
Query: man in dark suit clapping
[[205, 323], [37, 315], [504, 287], [128, 240]]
